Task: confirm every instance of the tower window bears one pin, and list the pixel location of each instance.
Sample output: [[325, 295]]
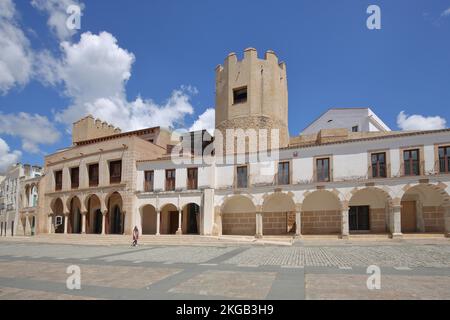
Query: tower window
[[240, 95], [355, 129]]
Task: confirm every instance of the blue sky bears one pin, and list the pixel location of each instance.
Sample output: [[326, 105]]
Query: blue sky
[[161, 56]]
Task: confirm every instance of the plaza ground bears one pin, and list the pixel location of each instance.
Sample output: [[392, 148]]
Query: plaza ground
[[307, 269]]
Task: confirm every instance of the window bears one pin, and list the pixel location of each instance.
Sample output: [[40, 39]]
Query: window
[[411, 162], [240, 95], [58, 180], [323, 169], [242, 177], [283, 173], [379, 165], [115, 171], [444, 159], [355, 129], [170, 180], [93, 175], [75, 177], [148, 181], [192, 183]]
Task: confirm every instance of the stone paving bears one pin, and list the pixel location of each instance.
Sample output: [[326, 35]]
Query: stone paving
[[335, 270]]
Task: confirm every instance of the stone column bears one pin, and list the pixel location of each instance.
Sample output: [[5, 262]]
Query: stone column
[[27, 230], [66, 222], [83, 222], [345, 228], [104, 223], [180, 220], [447, 221], [259, 225], [158, 222], [49, 224], [395, 222], [419, 217], [298, 224]]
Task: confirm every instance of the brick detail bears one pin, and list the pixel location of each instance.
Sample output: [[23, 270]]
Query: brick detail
[[321, 222], [243, 224], [433, 218]]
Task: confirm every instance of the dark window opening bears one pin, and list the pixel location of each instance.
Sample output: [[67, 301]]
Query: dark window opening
[[192, 183], [444, 159], [359, 218], [93, 175], [242, 177], [170, 180], [75, 178], [411, 160], [283, 173], [58, 180], [323, 169], [240, 95], [379, 165], [148, 181], [355, 129], [115, 171]]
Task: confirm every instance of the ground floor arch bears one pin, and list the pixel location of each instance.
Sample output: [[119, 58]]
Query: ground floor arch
[[94, 216], [238, 216], [169, 219], [321, 213], [191, 219], [422, 209], [75, 219], [115, 218], [58, 217], [279, 215], [148, 220]]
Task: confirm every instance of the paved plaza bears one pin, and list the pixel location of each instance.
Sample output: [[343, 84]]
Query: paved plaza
[[305, 270]]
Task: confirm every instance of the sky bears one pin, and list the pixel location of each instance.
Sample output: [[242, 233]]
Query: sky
[[139, 64]]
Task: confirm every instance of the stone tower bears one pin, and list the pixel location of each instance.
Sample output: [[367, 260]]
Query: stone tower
[[252, 93]]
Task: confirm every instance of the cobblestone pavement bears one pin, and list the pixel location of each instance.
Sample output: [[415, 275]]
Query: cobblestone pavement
[[335, 270]]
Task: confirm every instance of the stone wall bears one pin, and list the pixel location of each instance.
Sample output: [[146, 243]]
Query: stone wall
[[239, 224], [433, 218], [378, 220], [278, 223], [321, 222]]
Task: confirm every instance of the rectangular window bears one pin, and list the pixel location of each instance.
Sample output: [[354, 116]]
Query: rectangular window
[[75, 178], [444, 159], [355, 129], [411, 160], [58, 180], [283, 173], [240, 95], [148, 181], [323, 169], [379, 165], [192, 183], [242, 177], [115, 171], [93, 175], [170, 180]]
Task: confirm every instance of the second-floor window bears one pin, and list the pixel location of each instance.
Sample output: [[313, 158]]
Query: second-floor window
[[148, 181], [75, 178], [58, 180], [192, 178], [115, 171], [170, 180], [283, 173], [379, 165], [323, 169], [411, 159], [242, 177], [444, 159], [93, 175]]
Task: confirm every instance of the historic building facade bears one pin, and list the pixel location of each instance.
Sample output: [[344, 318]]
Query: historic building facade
[[348, 173]]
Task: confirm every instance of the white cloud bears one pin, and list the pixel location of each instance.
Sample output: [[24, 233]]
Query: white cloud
[[445, 13], [57, 15], [95, 71], [34, 130], [206, 121], [16, 58], [419, 122], [7, 158]]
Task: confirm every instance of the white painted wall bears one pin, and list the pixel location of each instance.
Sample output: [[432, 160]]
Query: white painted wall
[[348, 166]]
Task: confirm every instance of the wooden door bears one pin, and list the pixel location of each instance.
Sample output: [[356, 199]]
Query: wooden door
[[409, 220]]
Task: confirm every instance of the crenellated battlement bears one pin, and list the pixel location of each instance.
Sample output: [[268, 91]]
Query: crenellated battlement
[[91, 128]]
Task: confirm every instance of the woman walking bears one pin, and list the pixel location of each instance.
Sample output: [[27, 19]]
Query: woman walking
[[135, 236]]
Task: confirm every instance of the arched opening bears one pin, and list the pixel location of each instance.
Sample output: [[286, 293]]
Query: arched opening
[[148, 219], [94, 215], [169, 219], [238, 216], [279, 215], [74, 225], [191, 219], [58, 216], [115, 217], [368, 211], [34, 196], [27, 196], [422, 209], [321, 213]]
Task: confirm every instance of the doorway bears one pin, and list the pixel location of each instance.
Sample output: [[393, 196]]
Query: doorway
[[173, 222], [359, 218]]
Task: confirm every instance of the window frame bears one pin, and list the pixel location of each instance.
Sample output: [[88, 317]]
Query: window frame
[[189, 184], [446, 159], [74, 185], [317, 177], [238, 186], [149, 185], [92, 182], [288, 176], [115, 179], [378, 176], [241, 100], [58, 186], [167, 179], [411, 172]]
